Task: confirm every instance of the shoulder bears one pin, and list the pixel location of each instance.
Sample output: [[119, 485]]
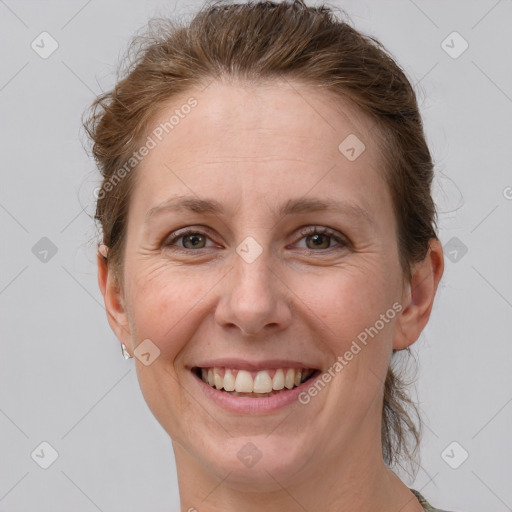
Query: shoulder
[[425, 504]]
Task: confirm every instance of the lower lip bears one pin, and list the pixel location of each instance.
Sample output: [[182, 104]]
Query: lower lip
[[246, 405]]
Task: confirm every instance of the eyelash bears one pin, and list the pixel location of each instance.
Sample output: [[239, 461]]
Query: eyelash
[[311, 230]]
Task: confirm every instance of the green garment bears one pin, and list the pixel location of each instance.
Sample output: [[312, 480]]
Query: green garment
[[426, 505]]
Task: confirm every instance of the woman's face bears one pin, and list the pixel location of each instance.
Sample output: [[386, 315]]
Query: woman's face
[[254, 288]]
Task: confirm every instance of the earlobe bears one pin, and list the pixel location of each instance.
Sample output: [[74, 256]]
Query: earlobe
[[113, 300], [418, 297]]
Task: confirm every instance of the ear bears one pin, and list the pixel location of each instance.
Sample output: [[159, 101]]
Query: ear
[[418, 296], [113, 299]]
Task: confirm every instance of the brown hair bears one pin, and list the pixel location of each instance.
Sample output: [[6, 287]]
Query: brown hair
[[265, 41]]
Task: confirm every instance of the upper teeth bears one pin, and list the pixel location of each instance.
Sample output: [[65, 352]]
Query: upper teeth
[[264, 381]]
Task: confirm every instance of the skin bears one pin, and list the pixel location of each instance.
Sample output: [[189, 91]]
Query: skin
[[253, 148]]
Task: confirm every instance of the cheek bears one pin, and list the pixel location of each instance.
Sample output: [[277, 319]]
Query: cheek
[[149, 306], [345, 306], [163, 303], [164, 300], [167, 302], [348, 300], [356, 310]]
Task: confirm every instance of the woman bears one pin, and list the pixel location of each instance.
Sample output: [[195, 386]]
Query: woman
[[268, 244]]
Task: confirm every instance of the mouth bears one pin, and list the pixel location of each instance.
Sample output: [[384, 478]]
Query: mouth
[[263, 383]]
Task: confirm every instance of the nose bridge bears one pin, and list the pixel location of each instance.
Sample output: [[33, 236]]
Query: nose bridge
[[253, 297], [252, 269]]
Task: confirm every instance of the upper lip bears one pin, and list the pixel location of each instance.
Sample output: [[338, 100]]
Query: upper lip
[[243, 364]]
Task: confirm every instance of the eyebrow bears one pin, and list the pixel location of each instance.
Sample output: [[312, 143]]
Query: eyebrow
[[291, 207]]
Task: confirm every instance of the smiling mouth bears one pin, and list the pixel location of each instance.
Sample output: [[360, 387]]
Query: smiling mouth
[[254, 384]]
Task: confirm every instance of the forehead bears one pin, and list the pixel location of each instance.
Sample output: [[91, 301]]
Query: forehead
[[274, 138], [275, 110]]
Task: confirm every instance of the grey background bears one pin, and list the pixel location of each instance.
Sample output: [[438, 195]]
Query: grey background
[[63, 379]]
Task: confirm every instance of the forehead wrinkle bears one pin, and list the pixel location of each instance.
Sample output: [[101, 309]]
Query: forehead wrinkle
[[291, 207]]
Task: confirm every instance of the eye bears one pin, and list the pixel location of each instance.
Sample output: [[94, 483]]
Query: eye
[[321, 238], [190, 239]]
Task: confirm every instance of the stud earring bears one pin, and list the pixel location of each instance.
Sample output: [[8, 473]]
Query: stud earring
[[125, 352]]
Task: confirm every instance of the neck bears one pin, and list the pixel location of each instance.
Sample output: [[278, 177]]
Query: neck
[[356, 481]]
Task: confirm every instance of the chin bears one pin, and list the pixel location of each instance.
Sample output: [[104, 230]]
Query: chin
[[259, 463]]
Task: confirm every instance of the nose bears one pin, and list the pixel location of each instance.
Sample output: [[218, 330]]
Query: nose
[[254, 298]]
